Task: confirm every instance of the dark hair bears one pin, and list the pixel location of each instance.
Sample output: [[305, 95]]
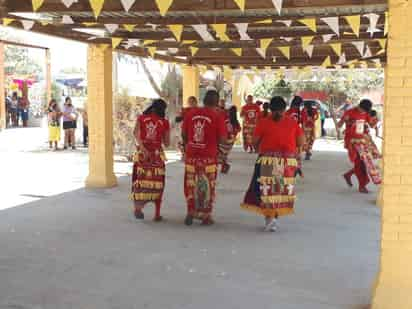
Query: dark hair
[[67, 99], [265, 109], [233, 116], [366, 105], [211, 98], [373, 113], [15, 94], [157, 107], [277, 106], [297, 103], [309, 108]]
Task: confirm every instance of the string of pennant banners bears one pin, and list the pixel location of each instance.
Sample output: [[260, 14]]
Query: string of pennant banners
[[334, 23]]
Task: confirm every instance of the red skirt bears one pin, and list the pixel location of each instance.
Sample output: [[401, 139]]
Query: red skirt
[[248, 130], [200, 185], [148, 179]]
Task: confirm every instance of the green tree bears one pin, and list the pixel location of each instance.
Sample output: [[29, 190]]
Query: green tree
[[268, 88], [18, 62]]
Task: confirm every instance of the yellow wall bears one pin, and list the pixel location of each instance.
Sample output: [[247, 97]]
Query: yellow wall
[[394, 281], [100, 113]]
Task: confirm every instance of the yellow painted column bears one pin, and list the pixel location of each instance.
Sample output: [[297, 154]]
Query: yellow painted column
[[2, 89], [394, 281], [48, 76], [191, 82], [100, 113]]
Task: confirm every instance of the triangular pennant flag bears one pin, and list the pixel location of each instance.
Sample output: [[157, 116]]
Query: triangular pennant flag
[[97, 6], [177, 31], [360, 46], [189, 42], [194, 50], [67, 20], [264, 21], [240, 4], [278, 5], [116, 42], [111, 27], [44, 22], [68, 3], [89, 24], [342, 59], [327, 62], [368, 52], [237, 51], [327, 37], [132, 43], [265, 43], [382, 51], [373, 21], [285, 50], [354, 23], [309, 50], [37, 4], [309, 22], [261, 52], [287, 39], [287, 23], [386, 27], [333, 23], [164, 6], [221, 31], [337, 48], [147, 42], [127, 4], [27, 24], [203, 32], [7, 21], [306, 40], [129, 27], [242, 29], [152, 50], [382, 43]]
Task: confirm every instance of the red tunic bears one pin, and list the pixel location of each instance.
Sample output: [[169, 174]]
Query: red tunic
[[278, 136], [355, 121], [294, 113], [309, 121], [250, 113], [152, 129], [203, 127]]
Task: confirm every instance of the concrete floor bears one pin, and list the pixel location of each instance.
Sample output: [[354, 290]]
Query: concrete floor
[[83, 249]]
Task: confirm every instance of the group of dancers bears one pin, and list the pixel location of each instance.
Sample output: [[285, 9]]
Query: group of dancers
[[276, 134]]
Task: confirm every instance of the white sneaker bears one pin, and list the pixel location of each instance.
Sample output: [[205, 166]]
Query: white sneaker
[[270, 225]]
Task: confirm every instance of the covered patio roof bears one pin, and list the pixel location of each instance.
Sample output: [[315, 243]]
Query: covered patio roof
[[218, 32]]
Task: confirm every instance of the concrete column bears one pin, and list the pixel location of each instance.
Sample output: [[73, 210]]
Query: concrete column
[[236, 96], [100, 113], [191, 82], [48, 76], [394, 281], [2, 89]]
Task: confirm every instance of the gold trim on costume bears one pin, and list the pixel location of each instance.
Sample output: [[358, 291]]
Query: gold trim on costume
[[272, 199], [149, 184], [269, 212], [144, 196], [265, 180]]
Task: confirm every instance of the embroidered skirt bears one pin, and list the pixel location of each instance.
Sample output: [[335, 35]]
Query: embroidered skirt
[[148, 178], [248, 130], [272, 189], [309, 138], [362, 147], [200, 185], [224, 150]]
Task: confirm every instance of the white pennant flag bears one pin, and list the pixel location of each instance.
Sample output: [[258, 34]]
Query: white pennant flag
[[203, 32], [127, 4], [111, 27], [132, 43], [27, 24], [261, 52], [68, 3], [309, 50], [287, 39], [360, 46], [368, 52], [278, 5], [342, 59], [287, 23], [333, 23], [327, 37], [154, 26], [67, 20], [242, 29]]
